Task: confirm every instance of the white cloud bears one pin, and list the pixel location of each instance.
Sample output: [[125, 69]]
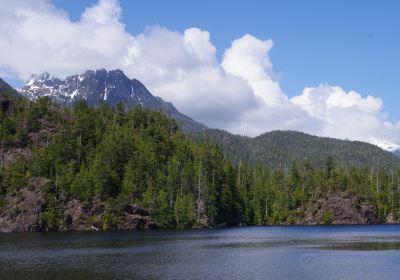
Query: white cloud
[[105, 12], [37, 37], [240, 93], [248, 58], [183, 68], [347, 114]]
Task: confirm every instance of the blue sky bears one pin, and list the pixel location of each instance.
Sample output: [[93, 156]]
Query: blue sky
[[354, 44]]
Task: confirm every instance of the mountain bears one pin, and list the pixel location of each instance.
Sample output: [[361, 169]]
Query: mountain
[[100, 168], [6, 88], [98, 86], [281, 148], [278, 148]]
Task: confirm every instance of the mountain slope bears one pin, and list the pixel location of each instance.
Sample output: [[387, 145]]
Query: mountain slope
[[6, 88], [281, 148], [98, 86]]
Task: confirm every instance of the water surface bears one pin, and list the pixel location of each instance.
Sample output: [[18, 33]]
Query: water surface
[[341, 252]]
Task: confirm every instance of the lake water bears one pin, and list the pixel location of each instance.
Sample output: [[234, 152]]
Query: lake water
[[341, 252]]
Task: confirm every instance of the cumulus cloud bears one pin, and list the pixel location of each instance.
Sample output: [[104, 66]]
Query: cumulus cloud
[[347, 114], [182, 68], [239, 93], [36, 37], [248, 58]]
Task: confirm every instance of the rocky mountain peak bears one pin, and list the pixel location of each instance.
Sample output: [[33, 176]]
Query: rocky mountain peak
[[101, 85]]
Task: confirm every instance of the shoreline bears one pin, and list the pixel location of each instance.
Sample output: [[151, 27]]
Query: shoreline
[[207, 228]]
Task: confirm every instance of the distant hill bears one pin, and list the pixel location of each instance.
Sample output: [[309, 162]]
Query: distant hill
[[281, 148]]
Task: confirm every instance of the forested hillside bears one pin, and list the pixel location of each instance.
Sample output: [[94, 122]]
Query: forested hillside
[[117, 157], [5, 88], [112, 168], [281, 148]]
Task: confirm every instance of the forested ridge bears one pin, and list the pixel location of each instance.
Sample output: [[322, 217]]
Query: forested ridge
[[82, 168], [281, 148]]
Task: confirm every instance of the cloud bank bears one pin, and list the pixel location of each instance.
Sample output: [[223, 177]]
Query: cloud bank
[[240, 93]]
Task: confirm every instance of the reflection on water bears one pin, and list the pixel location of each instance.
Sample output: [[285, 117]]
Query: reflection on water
[[364, 246], [343, 252]]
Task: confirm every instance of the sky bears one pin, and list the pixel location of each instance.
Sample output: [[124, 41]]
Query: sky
[[328, 68]]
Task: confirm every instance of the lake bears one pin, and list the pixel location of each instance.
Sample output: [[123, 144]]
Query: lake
[[337, 252]]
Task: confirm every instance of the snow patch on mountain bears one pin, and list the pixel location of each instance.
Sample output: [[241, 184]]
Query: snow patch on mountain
[[387, 146], [110, 87]]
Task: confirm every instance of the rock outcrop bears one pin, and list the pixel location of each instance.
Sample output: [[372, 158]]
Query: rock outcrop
[[22, 211], [25, 211], [341, 209]]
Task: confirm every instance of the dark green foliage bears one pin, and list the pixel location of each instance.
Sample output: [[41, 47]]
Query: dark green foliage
[[184, 215], [139, 156], [6, 88], [16, 175], [124, 156], [327, 218], [281, 148]]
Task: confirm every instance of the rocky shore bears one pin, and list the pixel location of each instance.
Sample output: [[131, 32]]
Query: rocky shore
[[24, 212]]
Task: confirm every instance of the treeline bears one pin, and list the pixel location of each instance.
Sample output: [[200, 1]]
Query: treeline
[[277, 196], [126, 156], [282, 148]]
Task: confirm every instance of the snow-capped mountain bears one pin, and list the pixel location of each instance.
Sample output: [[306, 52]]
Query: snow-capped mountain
[[110, 87], [387, 146]]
